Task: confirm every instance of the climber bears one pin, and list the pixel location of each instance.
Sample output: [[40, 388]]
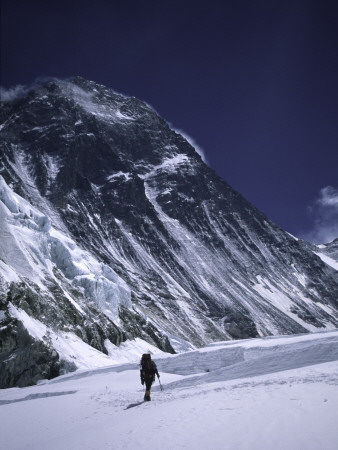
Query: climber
[[148, 370]]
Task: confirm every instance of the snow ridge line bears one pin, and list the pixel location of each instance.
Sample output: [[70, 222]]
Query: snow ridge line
[[263, 362], [36, 396]]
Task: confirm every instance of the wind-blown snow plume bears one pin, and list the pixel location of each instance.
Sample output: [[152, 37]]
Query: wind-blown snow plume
[[20, 90], [193, 143], [13, 92]]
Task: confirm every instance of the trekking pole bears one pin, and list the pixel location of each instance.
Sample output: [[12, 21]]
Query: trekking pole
[[160, 384]]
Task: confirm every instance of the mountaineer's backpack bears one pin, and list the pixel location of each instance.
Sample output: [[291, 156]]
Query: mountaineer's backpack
[[146, 362], [148, 367]]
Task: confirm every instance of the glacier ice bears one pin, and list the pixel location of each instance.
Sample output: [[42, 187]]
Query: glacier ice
[[31, 248]]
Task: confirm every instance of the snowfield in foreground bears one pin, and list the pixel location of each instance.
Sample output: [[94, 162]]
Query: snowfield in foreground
[[270, 393]]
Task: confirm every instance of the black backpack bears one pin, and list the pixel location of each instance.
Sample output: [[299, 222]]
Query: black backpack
[[147, 365]]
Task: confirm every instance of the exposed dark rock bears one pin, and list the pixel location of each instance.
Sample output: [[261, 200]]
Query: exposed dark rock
[[23, 360]]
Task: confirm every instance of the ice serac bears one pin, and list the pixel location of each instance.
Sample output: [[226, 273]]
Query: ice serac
[[188, 258]]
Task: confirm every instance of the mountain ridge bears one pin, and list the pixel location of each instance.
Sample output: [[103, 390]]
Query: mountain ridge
[[201, 263]]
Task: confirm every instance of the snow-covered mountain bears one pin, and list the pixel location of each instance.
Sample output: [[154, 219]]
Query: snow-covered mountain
[[113, 228]]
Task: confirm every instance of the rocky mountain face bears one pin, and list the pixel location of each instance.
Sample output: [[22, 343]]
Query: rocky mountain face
[[113, 228]]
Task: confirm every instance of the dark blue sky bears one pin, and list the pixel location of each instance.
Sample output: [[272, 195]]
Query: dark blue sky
[[254, 83]]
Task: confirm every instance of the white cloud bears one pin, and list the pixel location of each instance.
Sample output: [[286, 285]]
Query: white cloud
[[328, 197], [324, 214]]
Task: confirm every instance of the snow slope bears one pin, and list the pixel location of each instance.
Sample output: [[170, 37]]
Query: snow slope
[[271, 393], [330, 261]]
